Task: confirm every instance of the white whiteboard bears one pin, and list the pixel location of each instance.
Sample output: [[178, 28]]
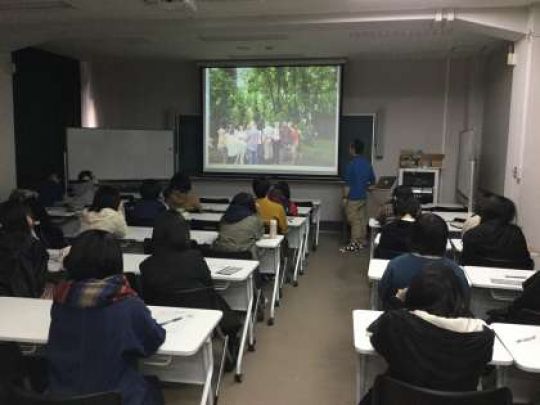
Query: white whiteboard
[[120, 154]]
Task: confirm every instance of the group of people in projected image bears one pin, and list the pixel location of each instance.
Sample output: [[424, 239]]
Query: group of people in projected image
[[271, 143]]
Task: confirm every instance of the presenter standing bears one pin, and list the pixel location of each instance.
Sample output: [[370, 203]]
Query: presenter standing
[[359, 177]]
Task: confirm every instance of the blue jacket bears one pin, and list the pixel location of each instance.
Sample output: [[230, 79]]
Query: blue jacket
[[96, 349], [401, 270]]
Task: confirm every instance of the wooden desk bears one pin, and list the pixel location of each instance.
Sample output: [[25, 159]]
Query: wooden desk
[[493, 288], [369, 364], [187, 347], [236, 289]]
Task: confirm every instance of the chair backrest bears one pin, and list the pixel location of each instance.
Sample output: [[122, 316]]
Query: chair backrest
[[204, 298], [208, 251], [198, 225], [389, 391], [210, 200], [20, 397], [499, 263], [304, 204]]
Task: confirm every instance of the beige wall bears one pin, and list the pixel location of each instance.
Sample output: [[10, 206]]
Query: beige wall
[[417, 102], [497, 96], [7, 137]]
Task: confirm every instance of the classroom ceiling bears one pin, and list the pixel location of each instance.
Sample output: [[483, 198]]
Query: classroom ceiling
[[239, 29]]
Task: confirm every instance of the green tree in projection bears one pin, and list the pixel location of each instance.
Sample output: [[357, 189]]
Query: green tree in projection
[[306, 96]]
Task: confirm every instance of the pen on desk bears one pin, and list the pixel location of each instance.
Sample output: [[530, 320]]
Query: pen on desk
[[171, 320], [526, 339]]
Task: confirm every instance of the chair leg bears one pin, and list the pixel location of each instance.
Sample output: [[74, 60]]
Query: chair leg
[[224, 355]]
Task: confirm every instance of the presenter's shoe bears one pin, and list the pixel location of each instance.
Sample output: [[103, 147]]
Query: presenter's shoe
[[352, 247]]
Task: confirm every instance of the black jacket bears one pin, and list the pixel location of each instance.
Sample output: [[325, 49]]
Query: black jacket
[[494, 244], [422, 354], [23, 266], [171, 273], [395, 239]]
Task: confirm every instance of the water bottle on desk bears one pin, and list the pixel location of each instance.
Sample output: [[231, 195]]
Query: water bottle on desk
[[273, 229]]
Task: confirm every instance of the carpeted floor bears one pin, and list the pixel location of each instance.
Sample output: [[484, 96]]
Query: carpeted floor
[[307, 357]]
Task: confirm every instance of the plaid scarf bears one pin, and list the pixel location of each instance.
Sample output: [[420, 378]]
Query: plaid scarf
[[93, 293]]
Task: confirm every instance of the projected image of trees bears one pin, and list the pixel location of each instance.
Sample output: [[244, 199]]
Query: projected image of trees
[[273, 115]]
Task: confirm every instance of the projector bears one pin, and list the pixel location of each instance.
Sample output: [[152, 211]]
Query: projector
[[173, 4]]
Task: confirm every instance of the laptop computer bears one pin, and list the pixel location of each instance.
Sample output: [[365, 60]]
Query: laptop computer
[[386, 182]]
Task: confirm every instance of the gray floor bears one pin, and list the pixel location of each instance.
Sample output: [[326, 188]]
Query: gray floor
[[307, 357]]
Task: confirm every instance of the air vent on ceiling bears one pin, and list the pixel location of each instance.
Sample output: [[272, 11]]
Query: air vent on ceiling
[[244, 38], [34, 5], [173, 5]]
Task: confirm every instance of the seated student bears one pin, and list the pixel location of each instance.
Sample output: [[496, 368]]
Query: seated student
[[428, 245], [99, 327], [525, 309], [387, 210], [82, 191], [105, 213], [23, 258], [269, 210], [396, 235], [290, 207], [178, 195], [50, 235], [145, 211], [496, 242], [434, 342], [51, 191], [177, 275], [240, 227]]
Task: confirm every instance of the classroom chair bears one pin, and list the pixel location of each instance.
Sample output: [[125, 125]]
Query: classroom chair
[[304, 203], [389, 391], [210, 200], [21, 397], [498, 263], [199, 225]]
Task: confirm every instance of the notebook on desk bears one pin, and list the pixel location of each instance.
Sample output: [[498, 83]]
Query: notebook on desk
[[229, 270], [506, 281]]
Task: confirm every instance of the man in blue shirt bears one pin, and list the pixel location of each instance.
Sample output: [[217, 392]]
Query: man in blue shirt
[[358, 177]]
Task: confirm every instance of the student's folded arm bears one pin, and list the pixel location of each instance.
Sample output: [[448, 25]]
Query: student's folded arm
[[120, 225], [149, 334]]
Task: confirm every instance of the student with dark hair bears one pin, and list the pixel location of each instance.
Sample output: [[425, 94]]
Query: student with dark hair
[[100, 327], [240, 227], [290, 207], [23, 258], [396, 236], [358, 177], [51, 190], [268, 209], [106, 213], [496, 241], [387, 212], [428, 245], [145, 211], [434, 342], [50, 235], [177, 275], [179, 196], [82, 191]]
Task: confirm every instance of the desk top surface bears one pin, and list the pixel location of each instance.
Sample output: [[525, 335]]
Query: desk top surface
[[220, 207], [245, 267], [27, 320], [140, 233], [362, 344], [495, 278], [523, 343], [376, 268]]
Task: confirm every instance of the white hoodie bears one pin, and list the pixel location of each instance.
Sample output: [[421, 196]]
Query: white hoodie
[[105, 220]]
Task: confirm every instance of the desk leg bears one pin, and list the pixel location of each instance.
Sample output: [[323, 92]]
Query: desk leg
[[374, 296], [208, 362], [275, 291], [245, 331], [298, 263], [360, 377], [317, 222], [305, 236]]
